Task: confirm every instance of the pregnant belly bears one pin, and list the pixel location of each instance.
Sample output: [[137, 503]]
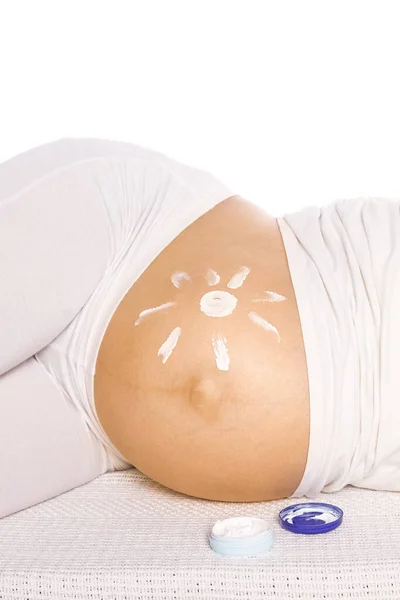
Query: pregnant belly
[[201, 379]]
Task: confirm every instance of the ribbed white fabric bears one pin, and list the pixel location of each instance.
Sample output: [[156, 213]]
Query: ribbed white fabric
[[125, 536], [344, 260]]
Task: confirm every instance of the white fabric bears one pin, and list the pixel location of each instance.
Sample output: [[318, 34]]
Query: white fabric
[[80, 220], [149, 199], [125, 536], [46, 446], [344, 260]]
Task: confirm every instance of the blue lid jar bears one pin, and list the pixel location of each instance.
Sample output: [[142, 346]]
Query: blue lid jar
[[311, 517]]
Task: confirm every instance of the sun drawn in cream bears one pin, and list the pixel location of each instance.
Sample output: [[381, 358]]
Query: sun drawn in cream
[[216, 303]]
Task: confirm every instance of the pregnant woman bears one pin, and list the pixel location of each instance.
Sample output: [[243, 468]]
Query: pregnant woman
[[151, 317]]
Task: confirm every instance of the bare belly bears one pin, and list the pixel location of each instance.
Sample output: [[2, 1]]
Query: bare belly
[[208, 395]]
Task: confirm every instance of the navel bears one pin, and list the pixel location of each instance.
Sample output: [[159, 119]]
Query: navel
[[205, 398]]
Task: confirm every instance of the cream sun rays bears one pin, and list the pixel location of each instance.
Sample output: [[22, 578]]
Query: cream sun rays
[[216, 304]]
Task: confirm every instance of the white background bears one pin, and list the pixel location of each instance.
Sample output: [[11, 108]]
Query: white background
[[288, 103]]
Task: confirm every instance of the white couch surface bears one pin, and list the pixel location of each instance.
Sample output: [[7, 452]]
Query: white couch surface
[[123, 536]]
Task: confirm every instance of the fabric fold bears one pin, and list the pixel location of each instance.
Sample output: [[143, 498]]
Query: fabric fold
[[344, 261]]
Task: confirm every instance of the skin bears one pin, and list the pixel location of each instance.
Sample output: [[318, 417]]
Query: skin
[[240, 435]]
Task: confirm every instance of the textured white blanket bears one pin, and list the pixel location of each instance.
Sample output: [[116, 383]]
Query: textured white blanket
[[122, 536]]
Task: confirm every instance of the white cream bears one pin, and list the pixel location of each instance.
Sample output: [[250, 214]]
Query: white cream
[[325, 516], [218, 303], [239, 527], [238, 278], [253, 316], [150, 311], [166, 349], [221, 352], [271, 297], [212, 277], [178, 277]]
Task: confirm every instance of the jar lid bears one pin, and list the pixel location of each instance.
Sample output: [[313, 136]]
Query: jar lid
[[311, 517], [241, 536]]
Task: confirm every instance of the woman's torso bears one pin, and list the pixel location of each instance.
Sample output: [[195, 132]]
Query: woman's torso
[[213, 407]]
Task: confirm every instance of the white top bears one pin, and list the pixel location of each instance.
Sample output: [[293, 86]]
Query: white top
[[149, 199], [344, 260]]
